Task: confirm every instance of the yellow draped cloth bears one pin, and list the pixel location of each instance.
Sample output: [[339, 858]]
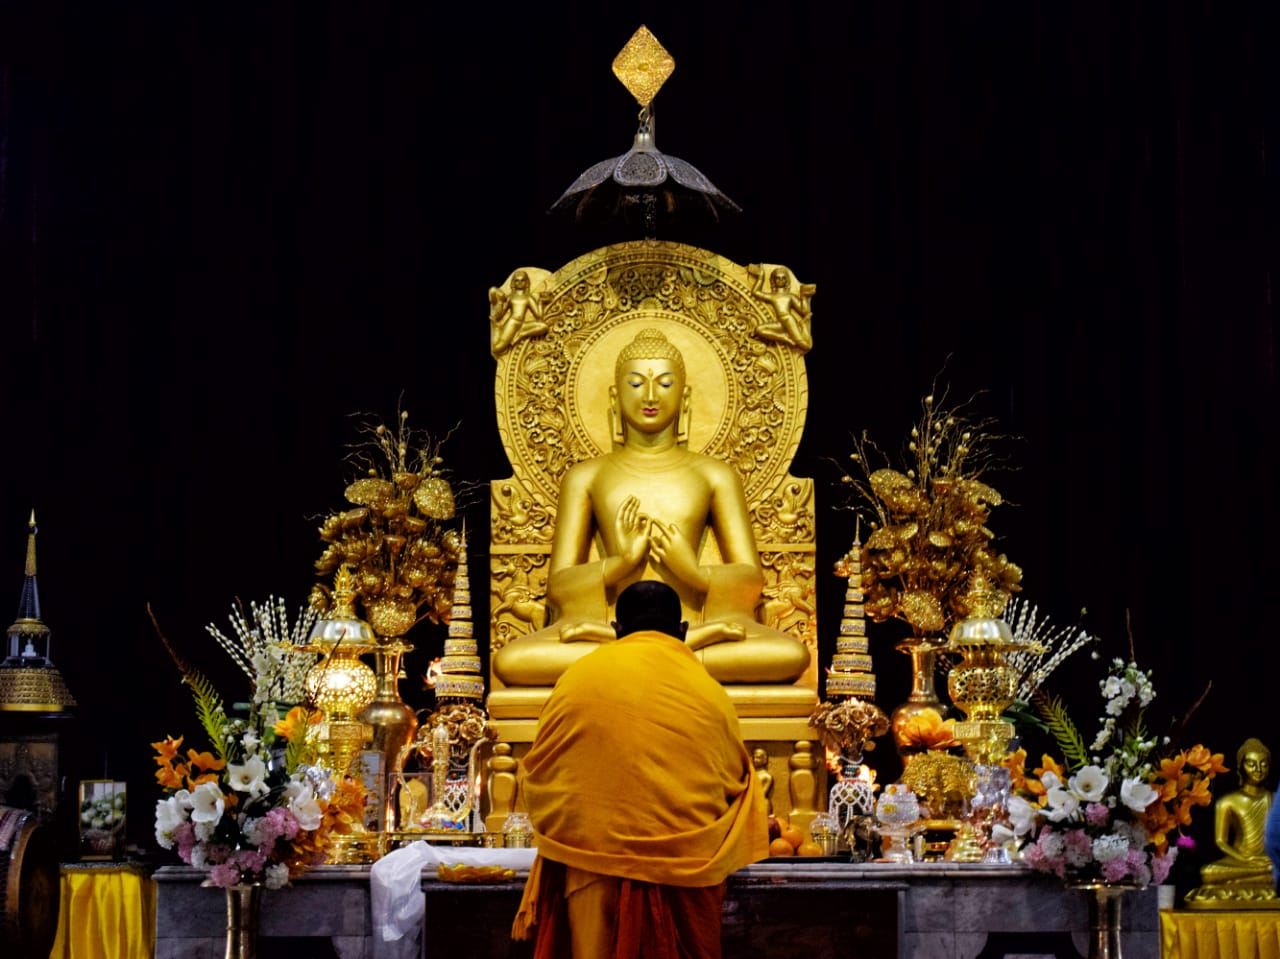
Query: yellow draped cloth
[[1220, 934], [107, 912], [638, 770]]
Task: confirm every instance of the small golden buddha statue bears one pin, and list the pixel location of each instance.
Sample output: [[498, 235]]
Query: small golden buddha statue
[[648, 505], [1239, 826]]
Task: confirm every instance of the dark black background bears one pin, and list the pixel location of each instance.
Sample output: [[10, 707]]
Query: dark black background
[[225, 228]]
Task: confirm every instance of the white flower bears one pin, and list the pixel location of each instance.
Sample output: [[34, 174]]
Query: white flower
[[303, 805], [1137, 795], [1022, 815], [199, 855], [248, 777], [1001, 834], [1050, 780], [1109, 847], [204, 831], [276, 875], [207, 804], [1062, 805], [1089, 784], [250, 741], [252, 830], [170, 814]]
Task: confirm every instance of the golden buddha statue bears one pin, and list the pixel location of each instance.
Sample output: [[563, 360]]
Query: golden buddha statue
[[648, 505], [1243, 874]]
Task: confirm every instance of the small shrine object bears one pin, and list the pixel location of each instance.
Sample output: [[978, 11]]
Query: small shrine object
[[36, 708]]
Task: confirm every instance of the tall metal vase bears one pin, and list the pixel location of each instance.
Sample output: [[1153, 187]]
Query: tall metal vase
[[393, 720], [244, 911], [924, 691], [1106, 909]]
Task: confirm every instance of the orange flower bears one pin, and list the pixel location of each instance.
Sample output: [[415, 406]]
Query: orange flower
[[1050, 765], [205, 761], [1208, 763], [1199, 794], [167, 750], [928, 729], [171, 777], [194, 781], [1016, 763], [295, 721], [1171, 767]]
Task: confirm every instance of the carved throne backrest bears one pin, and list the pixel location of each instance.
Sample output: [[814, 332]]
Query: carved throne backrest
[[750, 397]]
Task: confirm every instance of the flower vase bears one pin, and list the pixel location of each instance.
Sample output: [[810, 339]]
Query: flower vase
[[924, 692], [393, 720], [244, 911], [1106, 909]]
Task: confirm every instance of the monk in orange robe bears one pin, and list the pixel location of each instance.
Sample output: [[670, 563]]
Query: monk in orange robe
[[642, 796]]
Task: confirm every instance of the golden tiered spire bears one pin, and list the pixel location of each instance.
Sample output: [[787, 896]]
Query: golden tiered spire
[[850, 673], [457, 675], [29, 682]]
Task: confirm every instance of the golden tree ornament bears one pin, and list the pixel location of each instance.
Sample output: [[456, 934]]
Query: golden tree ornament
[[402, 556], [929, 537]]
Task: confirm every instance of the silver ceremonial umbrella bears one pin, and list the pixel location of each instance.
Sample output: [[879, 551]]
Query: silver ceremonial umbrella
[[644, 188]]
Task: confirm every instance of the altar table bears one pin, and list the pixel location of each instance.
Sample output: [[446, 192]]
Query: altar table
[[774, 910], [1220, 934], [107, 911]]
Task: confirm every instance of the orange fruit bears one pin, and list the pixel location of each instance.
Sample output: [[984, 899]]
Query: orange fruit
[[792, 835], [808, 849], [780, 847]]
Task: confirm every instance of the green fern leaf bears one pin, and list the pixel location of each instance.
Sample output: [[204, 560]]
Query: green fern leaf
[[209, 709], [1063, 730]]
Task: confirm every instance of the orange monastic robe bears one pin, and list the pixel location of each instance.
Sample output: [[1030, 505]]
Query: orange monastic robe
[[639, 771]]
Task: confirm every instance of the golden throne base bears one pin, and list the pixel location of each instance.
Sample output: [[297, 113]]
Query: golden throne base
[[773, 718]]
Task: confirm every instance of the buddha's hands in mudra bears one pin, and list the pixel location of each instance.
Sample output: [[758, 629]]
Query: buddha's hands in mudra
[[669, 548], [639, 537], [632, 532]]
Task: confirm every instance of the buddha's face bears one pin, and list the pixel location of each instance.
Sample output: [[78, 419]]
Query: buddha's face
[[1254, 767], [779, 278], [520, 281], [650, 391]]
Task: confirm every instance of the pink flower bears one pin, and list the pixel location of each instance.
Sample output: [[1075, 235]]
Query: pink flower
[[1116, 870], [217, 852], [1184, 842], [251, 860], [1077, 848], [1138, 867], [1160, 866], [185, 836], [283, 822], [224, 874], [1096, 814], [1046, 854]]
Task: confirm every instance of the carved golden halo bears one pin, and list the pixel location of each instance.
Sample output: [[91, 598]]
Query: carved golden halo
[[749, 397]]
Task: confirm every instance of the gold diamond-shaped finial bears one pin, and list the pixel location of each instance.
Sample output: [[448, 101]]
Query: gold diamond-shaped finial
[[643, 66]]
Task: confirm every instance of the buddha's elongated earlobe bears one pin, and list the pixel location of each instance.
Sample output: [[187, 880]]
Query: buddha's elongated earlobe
[[615, 418], [682, 424]]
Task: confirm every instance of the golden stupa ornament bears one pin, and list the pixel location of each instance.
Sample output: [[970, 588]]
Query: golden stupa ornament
[[29, 681], [644, 187]]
